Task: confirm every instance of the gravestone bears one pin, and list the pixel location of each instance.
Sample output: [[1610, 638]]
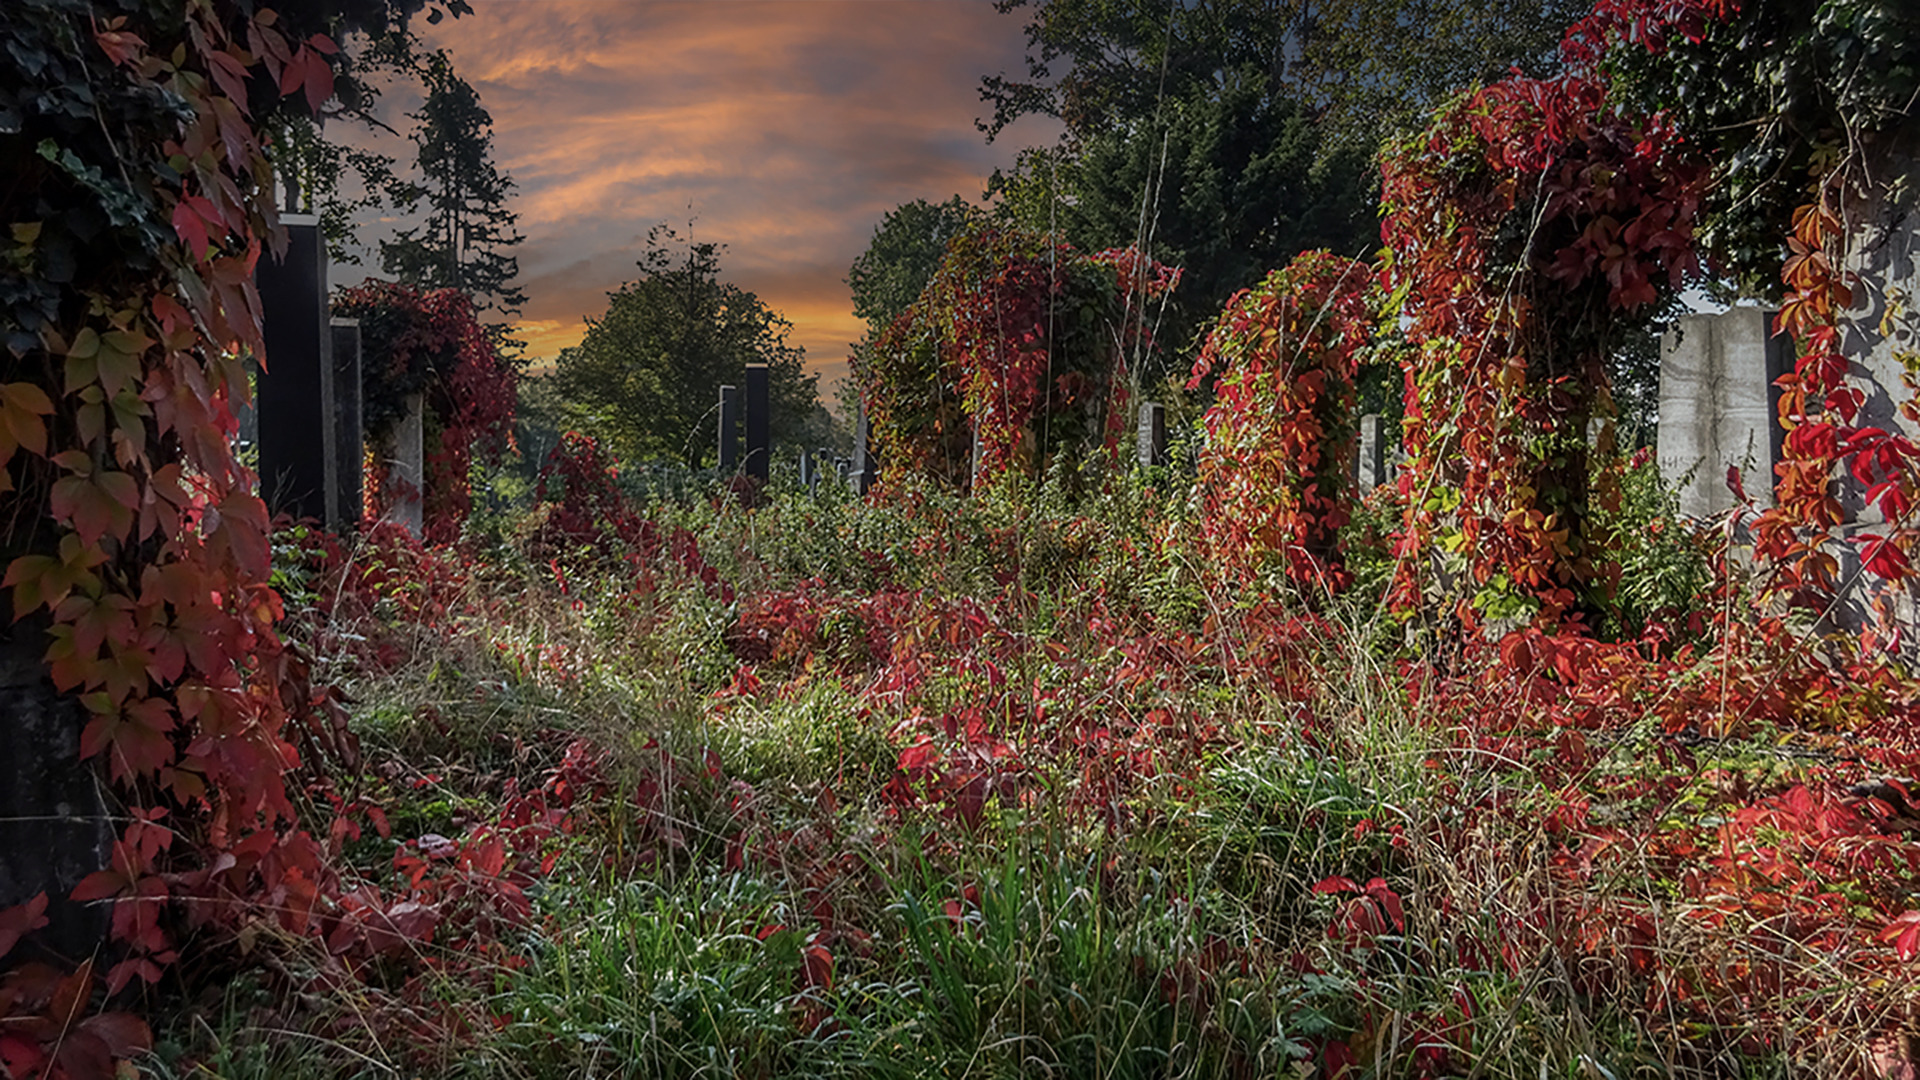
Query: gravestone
[[1370, 457], [1879, 331], [1717, 407], [759, 450], [1151, 435], [296, 431], [405, 458], [349, 442], [729, 429]]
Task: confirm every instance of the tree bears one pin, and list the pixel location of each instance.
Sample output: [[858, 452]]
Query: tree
[[900, 259], [1369, 66], [343, 185], [1230, 183], [646, 377], [463, 243]]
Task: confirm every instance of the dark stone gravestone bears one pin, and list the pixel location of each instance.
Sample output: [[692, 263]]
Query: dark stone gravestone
[[348, 437], [759, 449], [297, 461], [54, 828], [865, 467]]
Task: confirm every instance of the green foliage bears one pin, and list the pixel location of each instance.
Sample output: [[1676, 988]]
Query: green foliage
[[646, 377], [1225, 181], [1370, 66], [902, 256], [1777, 91], [1665, 561]]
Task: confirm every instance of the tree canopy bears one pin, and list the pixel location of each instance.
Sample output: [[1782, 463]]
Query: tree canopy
[[1232, 182], [902, 256], [646, 377], [1366, 65]]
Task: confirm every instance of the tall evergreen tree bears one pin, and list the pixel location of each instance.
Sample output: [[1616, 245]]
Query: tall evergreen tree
[[463, 242]]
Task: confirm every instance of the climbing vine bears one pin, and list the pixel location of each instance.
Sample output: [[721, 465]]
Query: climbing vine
[[1019, 341], [137, 550], [429, 342], [1274, 472], [1529, 227]]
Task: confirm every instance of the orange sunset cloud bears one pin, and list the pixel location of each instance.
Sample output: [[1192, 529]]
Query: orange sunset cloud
[[783, 129]]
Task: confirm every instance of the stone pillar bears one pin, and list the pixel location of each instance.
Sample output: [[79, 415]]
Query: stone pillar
[[759, 449], [296, 380], [349, 449], [729, 429], [1151, 437], [405, 457], [1370, 458], [54, 826], [1718, 407]]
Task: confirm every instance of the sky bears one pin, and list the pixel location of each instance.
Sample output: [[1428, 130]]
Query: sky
[[784, 129]]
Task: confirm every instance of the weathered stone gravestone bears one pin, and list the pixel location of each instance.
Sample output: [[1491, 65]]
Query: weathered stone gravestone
[[1717, 407], [405, 456], [1370, 457], [1150, 438], [1880, 335]]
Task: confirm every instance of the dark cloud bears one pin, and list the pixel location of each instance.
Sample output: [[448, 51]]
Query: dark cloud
[[787, 127]]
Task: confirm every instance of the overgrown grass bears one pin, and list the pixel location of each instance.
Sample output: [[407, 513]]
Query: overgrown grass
[[1011, 787]]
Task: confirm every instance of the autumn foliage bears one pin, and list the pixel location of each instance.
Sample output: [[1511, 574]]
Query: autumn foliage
[[431, 343], [1275, 473], [1527, 227], [1019, 342], [1298, 841]]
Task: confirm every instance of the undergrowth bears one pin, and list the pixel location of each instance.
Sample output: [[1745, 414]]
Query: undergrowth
[[1016, 785]]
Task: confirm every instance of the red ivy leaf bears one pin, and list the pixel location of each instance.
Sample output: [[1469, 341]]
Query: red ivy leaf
[[20, 920], [119, 45], [1904, 933], [191, 216]]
